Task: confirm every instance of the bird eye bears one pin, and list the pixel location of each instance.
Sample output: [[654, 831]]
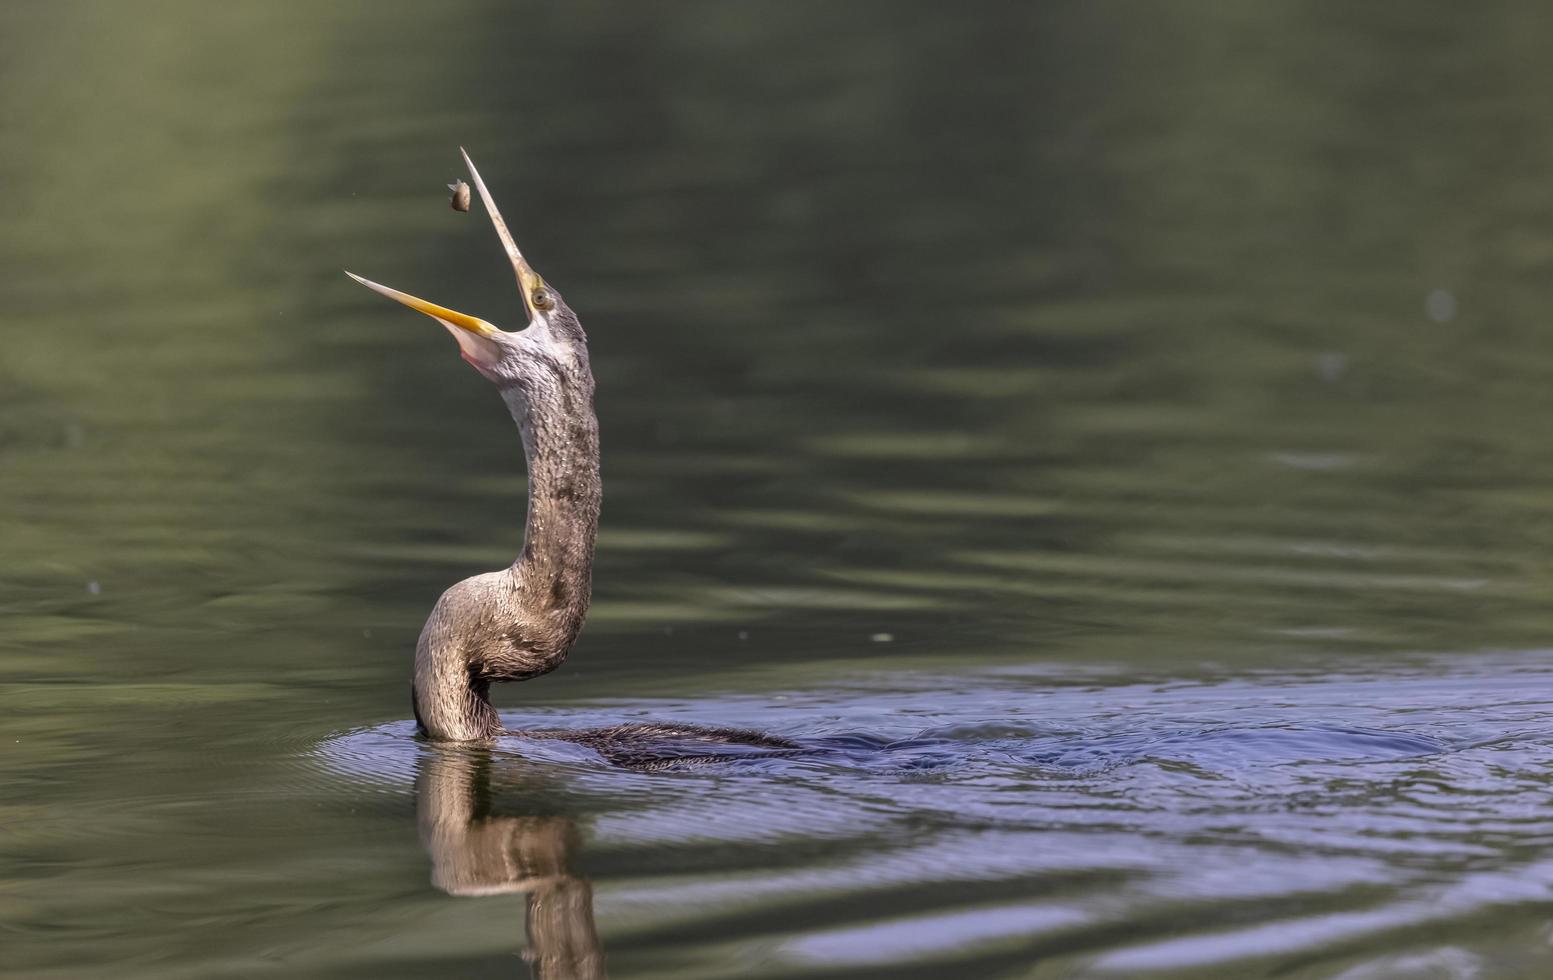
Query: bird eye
[[542, 298]]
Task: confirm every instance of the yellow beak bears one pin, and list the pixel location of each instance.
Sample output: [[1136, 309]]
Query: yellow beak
[[476, 338], [448, 318]]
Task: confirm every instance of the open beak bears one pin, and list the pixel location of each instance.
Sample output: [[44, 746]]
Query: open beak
[[476, 339]]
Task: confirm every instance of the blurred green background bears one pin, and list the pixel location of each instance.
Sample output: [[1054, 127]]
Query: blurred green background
[[1141, 335]]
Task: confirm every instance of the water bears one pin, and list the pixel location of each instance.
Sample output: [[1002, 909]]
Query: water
[[1109, 438]]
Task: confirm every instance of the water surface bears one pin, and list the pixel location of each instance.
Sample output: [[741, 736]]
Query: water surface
[[1110, 437]]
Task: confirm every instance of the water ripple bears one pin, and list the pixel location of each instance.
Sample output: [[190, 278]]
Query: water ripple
[[1086, 804]]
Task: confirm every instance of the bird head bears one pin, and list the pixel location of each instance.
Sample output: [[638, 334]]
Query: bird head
[[552, 337]]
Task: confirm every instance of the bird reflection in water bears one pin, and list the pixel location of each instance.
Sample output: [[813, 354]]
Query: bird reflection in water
[[475, 852]]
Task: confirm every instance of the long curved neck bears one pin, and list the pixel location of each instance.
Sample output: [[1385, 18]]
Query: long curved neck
[[520, 622]]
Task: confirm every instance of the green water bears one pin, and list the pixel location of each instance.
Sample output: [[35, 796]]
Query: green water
[[1114, 436]]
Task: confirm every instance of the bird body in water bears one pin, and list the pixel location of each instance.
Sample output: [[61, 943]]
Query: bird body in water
[[520, 622]]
